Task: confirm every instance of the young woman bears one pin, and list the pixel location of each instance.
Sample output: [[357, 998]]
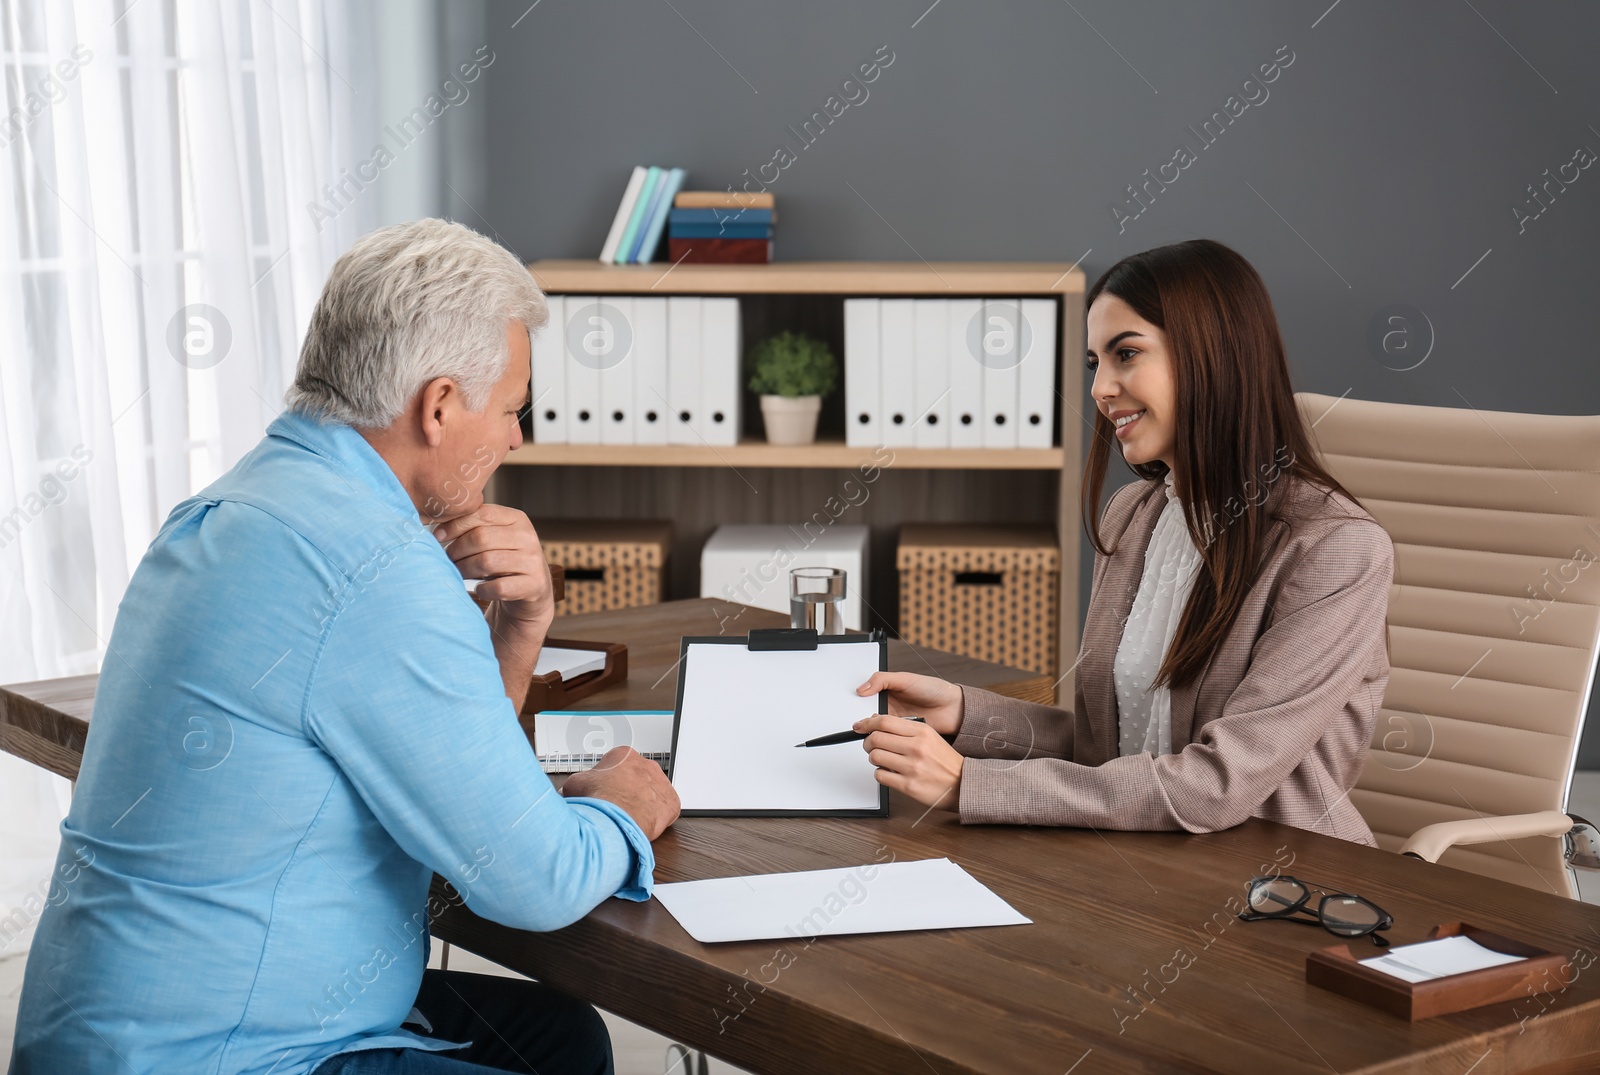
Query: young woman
[[1235, 650]]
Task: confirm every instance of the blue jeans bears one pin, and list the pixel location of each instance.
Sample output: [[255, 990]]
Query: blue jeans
[[513, 1025]]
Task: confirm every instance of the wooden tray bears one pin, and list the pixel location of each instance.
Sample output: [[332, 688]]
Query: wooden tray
[[1338, 969], [549, 691]]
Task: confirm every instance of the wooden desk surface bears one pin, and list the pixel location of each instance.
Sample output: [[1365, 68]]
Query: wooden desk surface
[[1134, 961]]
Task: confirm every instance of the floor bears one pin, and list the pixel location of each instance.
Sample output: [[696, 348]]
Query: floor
[[643, 1052]]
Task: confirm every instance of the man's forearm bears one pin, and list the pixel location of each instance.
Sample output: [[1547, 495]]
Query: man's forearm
[[516, 647]]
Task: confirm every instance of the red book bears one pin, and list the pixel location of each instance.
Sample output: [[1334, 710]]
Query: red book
[[719, 251]]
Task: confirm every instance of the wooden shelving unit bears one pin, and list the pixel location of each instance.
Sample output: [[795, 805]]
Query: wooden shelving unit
[[843, 279]]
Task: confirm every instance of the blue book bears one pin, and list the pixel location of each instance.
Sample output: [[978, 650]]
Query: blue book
[[721, 231], [636, 221], [721, 216], [657, 218]]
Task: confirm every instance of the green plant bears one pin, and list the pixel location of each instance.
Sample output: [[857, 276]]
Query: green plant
[[792, 364]]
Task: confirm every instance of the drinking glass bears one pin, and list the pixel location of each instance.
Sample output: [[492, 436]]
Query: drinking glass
[[816, 599]]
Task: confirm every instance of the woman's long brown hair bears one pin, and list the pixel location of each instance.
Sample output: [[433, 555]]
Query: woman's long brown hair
[[1239, 438]]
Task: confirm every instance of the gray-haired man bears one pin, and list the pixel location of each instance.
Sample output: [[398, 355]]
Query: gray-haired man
[[306, 716]]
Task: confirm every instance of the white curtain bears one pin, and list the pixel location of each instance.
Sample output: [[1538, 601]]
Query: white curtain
[[159, 257]]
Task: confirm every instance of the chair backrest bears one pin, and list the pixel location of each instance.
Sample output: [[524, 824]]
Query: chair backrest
[[1494, 617]]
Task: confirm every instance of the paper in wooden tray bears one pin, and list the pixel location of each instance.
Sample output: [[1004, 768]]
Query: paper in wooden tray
[[1339, 970]]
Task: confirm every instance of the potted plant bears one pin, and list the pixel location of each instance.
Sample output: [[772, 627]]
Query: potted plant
[[792, 372]]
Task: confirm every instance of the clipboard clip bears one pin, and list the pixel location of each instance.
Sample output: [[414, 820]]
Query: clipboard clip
[[796, 638], [778, 638]]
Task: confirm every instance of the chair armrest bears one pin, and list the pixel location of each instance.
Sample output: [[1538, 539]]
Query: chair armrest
[[1431, 841]]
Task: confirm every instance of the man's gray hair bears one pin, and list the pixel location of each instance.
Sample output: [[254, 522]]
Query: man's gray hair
[[404, 305]]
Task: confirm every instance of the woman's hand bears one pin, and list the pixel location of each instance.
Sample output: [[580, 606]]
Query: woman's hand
[[937, 701], [914, 759]]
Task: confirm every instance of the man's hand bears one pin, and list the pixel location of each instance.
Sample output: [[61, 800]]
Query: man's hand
[[499, 545], [625, 777]]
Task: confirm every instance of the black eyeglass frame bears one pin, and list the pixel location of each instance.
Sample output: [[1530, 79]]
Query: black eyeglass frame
[[1385, 919]]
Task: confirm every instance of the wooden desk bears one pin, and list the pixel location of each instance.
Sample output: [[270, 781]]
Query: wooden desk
[[1134, 962]]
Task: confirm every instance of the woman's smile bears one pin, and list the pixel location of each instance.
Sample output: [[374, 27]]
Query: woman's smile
[[1125, 422]]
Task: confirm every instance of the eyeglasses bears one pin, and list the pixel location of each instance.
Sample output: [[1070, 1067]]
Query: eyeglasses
[[1339, 913]]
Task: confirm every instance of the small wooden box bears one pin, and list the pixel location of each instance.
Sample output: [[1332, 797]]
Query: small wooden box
[[1339, 970], [991, 592], [610, 563]]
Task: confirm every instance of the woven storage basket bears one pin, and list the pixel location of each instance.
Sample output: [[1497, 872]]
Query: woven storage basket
[[990, 592], [610, 563]]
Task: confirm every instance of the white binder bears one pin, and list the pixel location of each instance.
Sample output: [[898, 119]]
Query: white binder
[[683, 370], [650, 409], [897, 350], [549, 385], [1036, 377], [720, 390], [862, 374], [997, 343], [585, 340], [616, 364], [966, 374], [933, 374]]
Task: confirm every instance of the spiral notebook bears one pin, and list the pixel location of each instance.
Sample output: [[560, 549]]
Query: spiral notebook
[[572, 740]]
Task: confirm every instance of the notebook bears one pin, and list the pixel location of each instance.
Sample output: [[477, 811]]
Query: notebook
[[572, 740]]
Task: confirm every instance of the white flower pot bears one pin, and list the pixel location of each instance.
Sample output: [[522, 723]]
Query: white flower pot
[[791, 420]]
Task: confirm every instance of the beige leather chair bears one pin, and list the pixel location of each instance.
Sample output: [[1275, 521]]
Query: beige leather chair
[[1494, 622]]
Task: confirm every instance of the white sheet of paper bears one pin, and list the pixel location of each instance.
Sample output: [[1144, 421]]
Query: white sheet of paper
[[879, 898], [1427, 960], [743, 712], [569, 662]]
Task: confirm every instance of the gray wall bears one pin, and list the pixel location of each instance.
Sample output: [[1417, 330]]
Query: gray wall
[[1383, 163]]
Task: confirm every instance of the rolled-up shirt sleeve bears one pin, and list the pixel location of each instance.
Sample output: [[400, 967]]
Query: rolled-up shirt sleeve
[[407, 699], [1324, 643]]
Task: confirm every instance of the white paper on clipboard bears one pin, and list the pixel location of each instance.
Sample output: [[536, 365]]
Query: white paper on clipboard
[[741, 712]]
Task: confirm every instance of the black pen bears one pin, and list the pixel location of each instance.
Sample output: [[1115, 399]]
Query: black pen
[[844, 737]]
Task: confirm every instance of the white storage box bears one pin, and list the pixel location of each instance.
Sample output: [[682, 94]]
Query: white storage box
[[750, 564]]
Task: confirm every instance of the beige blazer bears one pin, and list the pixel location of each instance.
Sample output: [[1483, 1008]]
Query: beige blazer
[[1277, 726]]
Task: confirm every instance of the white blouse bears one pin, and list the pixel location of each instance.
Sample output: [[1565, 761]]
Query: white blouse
[[1144, 716]]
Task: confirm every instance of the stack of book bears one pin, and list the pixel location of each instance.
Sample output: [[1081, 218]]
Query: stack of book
[[709, 227], [636, 230]]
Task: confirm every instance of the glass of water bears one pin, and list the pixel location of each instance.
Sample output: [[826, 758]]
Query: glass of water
[[816, 599]]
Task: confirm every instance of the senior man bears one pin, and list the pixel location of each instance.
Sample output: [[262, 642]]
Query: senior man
[[303, 715]]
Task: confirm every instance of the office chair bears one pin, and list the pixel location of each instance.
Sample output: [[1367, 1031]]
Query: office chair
[[1494, 623]]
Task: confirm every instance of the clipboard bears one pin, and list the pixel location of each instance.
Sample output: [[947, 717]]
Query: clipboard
[[801, 686]]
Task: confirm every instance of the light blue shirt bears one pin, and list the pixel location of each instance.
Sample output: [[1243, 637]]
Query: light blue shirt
[[300, 718]]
